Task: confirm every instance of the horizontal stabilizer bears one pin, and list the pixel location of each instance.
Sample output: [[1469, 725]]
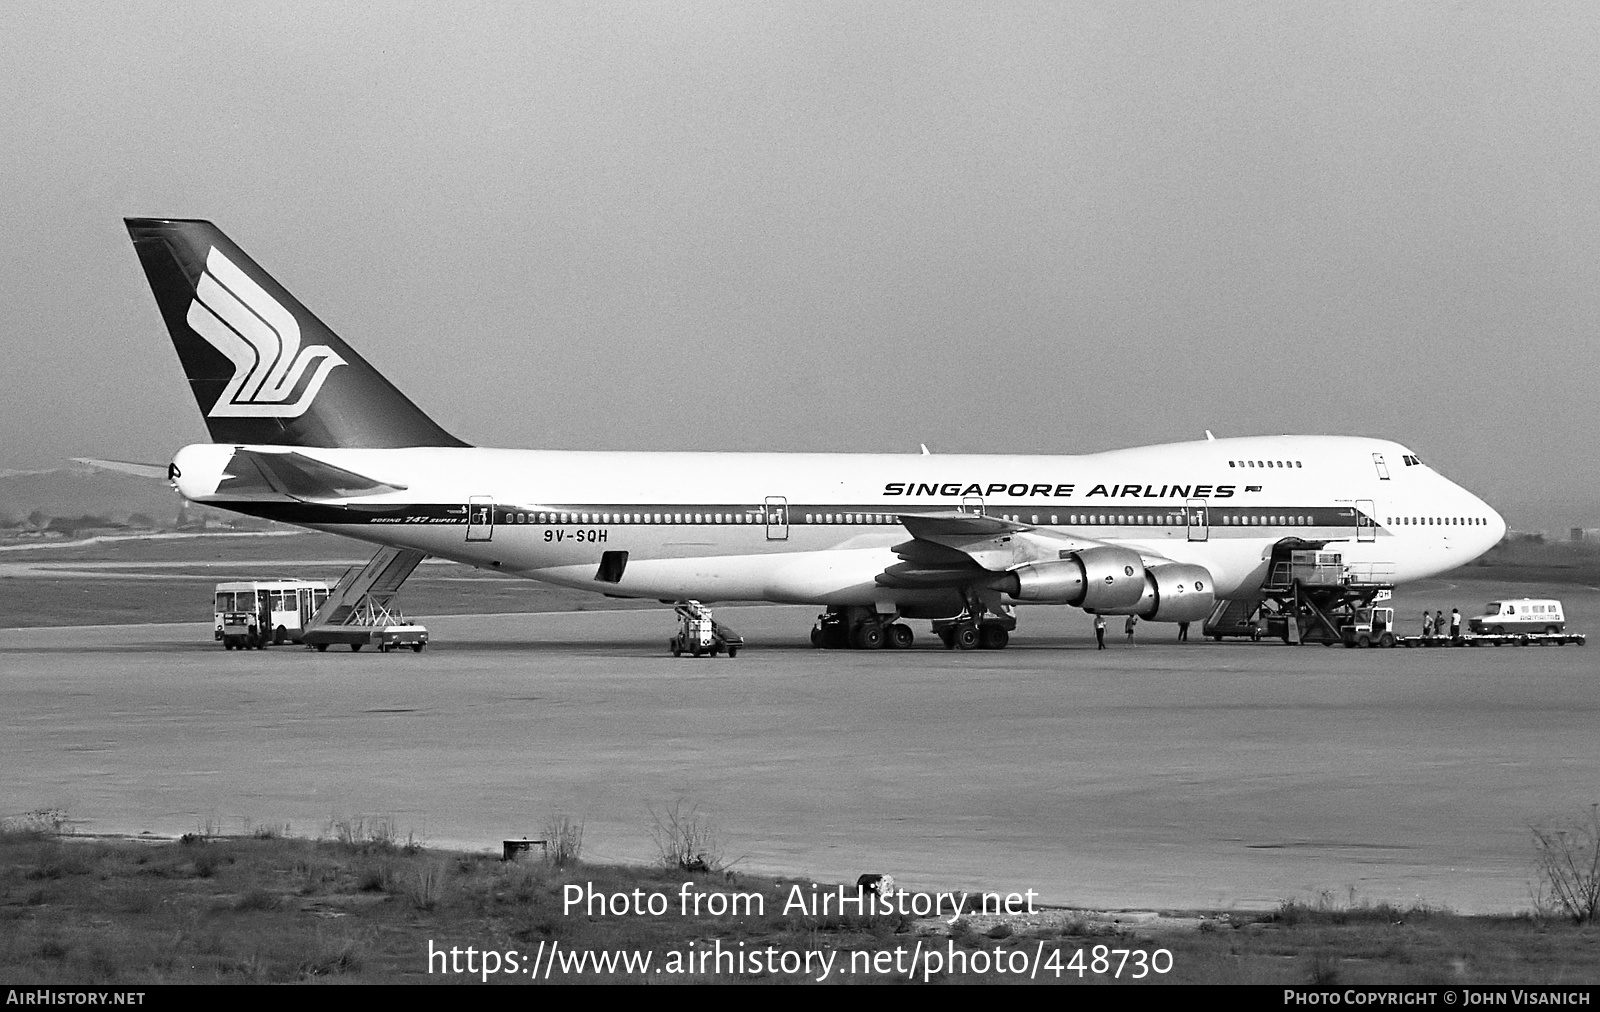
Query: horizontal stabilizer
[[125, 467], [251, 474]]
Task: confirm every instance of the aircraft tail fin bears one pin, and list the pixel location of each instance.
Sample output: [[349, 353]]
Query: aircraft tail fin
[[263, 368]]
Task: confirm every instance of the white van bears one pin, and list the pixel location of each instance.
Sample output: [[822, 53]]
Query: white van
[[1523, 615]]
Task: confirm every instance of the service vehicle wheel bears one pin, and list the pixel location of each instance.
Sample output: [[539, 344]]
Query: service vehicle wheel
[[416, 648], [966, 637], [322, 648], [355, 648], [695, 650], [1499, 630], [1363, 642], [733, 652], [1386, 641], [947, 636], [280, 635], [993, 637], [383, 648], [675, 647], [816, 636]]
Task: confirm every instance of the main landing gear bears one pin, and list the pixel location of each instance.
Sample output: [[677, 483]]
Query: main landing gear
[[859, 629], [992, 632], [865, 629]]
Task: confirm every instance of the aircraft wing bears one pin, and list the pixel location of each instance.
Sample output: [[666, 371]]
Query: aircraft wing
[[957, 548]]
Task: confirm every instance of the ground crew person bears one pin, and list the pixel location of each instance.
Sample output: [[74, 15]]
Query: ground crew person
[[1183, 632], [1133, 620], [1455, 624], [1438, 623], [1427, 625], [1100, 632]]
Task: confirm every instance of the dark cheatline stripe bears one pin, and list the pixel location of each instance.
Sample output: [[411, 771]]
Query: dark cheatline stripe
[[1087, 519]]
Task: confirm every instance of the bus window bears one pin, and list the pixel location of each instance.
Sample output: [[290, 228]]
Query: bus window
[[224, 602]]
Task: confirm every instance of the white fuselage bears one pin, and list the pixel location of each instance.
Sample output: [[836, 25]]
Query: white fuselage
[[820, 528]]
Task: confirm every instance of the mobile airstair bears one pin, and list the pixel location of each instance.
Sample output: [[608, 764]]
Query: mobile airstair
[[361, 610]]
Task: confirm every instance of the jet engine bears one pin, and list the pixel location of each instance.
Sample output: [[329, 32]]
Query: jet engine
[[1097, 579], [1176, 593]]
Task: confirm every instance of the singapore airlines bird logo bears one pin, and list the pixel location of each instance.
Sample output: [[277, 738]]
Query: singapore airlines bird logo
[[262, 340]]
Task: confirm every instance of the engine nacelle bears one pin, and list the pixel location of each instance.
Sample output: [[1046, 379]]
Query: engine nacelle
[[1176, 593], [1099, 579]]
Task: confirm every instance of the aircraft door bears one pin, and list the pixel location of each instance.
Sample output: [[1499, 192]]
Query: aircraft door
[[480, 518], [1199, 522], [1366, 526], [973, 504], [777, 518]]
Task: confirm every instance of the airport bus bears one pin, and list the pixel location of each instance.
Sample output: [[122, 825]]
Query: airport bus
[[289, 605]]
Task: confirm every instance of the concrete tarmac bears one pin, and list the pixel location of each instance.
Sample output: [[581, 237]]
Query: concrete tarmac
[[1155, 775]]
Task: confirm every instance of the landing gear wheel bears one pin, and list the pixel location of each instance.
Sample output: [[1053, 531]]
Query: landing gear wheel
[[900, 636], [869, 636], [993, 637], [966, 637]]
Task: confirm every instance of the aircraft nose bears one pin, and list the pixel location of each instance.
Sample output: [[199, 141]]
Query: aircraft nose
[[1497, 526]]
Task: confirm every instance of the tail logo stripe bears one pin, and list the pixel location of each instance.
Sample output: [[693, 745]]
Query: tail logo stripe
[[262, 340]]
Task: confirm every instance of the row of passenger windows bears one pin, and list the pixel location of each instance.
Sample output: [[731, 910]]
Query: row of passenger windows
[[1227, 520], [1263, 463], [852, 518], [1437, 521], [757, 517]]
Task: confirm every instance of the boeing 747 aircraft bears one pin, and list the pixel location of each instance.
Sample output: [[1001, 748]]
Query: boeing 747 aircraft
[[306, 432]]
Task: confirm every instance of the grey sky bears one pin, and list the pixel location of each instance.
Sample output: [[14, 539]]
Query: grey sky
[[1006, 228]]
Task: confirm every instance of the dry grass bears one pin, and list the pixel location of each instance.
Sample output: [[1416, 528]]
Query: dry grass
[[1567, 859], [563, 838], [271, 909], [687, 838]]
